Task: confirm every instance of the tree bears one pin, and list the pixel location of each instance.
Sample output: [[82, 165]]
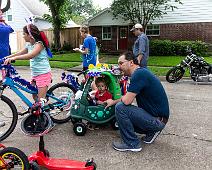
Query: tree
[[58, 18], [64, 10], [142, 11], [80, 10]]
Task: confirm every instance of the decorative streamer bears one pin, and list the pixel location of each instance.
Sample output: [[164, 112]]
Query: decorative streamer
[[12, 73], [43, 36]]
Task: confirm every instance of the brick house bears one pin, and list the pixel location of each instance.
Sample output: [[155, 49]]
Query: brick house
[[190, 21]]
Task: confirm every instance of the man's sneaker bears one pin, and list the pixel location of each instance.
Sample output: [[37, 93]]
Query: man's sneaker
[[150, 138], [2, 124], [124, 147]]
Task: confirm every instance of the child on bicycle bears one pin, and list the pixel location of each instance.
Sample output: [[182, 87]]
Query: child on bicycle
[[37, 52]]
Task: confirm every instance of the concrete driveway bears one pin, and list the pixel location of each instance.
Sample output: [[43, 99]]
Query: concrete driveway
[[185, 143]]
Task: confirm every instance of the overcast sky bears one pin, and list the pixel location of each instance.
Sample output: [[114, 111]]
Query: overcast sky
[[102, 3]]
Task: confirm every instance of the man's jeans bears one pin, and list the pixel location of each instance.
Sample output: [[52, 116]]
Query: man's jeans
[[132, 118]]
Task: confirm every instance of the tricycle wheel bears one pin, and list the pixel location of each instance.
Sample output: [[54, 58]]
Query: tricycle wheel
[[34, 165], [13, 158], [80, 128], [114, 124], [91, 163]]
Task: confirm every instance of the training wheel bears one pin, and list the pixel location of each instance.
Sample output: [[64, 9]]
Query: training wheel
[[114, 124], [34, 165], [80, 128], [91, 163]]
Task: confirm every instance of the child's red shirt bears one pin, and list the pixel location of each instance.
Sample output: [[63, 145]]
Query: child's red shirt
[[106, 95]]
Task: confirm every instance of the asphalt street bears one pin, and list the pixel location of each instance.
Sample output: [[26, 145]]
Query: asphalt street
[[185, 143]]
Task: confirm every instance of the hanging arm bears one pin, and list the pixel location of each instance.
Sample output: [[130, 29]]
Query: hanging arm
[[7, 7]]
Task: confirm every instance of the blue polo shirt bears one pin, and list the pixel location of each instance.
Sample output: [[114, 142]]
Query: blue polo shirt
[[151, 95], [141, 46], [5, 31], [90, 58]]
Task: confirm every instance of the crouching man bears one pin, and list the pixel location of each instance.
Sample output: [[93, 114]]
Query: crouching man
[[152, 112]]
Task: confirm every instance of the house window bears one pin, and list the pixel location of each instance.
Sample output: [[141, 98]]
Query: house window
[[106, 33], [153, 30], [123, 33], [8, 15]]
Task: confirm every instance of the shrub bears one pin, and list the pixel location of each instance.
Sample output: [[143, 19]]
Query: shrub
[[161, 47], [66, 47], [168, 47]]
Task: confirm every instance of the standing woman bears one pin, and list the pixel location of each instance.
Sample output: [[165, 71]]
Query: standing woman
[[5, 31], [88, 49]]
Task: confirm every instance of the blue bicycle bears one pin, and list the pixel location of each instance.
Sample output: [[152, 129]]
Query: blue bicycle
[[60, 98]]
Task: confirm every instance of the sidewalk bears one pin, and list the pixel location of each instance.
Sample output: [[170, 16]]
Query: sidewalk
[[76, 68]]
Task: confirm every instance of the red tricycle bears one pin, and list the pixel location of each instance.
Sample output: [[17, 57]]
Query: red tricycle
[[41, 159], [39, 123], [12, 158]]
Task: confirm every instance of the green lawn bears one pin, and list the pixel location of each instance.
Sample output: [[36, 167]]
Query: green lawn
[[70, 57], [161, 71], [162, 61], [158, 70], [159, 65], [21, 63], [54, 64], [63, 65]]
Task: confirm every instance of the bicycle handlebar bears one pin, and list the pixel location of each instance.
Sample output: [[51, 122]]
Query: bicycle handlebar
[[82, 72], [3, 59], [10, 70]]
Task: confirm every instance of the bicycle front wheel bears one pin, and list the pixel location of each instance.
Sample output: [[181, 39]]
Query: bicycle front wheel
[[65, 92], [8, 117], [14, 159]]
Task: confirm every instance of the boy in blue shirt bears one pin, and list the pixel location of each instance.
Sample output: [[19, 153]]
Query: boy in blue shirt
[[88, 49]]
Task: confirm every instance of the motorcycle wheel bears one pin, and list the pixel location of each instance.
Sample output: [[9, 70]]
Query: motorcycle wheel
[[174, 74]]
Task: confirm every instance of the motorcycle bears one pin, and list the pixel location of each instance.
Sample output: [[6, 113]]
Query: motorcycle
[[199, 69]]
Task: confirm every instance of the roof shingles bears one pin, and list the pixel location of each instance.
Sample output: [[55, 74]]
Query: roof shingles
[[36, 7]]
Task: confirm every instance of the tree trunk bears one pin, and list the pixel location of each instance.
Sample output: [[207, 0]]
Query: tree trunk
[[56, 24], [56, 32]]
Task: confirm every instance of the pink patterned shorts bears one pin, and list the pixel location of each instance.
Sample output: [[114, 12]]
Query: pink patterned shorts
[[43, 80]]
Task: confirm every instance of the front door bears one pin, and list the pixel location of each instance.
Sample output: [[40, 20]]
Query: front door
[[123, 38]]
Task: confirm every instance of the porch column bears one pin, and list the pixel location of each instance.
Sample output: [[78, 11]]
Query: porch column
[[117, 38]]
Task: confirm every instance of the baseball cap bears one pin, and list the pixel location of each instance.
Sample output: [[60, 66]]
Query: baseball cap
[[136, 26]]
